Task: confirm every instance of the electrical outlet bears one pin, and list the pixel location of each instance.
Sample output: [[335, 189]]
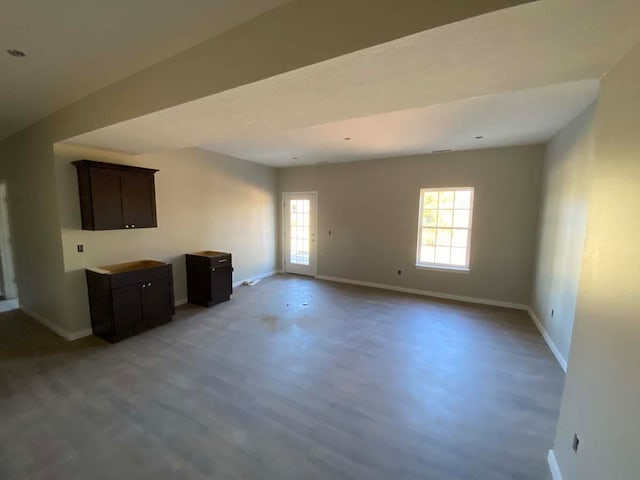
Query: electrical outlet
[[576, 443], [80, 248]]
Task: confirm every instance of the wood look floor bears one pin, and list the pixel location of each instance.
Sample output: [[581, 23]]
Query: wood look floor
[[294, 378]]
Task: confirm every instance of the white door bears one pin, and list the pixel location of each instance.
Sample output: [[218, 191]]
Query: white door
[[7, 276], [300, 232]]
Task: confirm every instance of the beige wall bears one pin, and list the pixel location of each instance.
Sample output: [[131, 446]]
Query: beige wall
[[563, 221], [372, 210], [27, 166], [601, 400], [204, 201]]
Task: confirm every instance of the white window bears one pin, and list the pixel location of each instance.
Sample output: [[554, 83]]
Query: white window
[[444, 228]]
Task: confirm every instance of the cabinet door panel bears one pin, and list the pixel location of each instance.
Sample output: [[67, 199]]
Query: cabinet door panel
[[106, 197], [157, 302], [127, 311], [138, 200], [221, 284]]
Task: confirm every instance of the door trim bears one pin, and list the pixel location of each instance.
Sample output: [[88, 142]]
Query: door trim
[[283, 239]]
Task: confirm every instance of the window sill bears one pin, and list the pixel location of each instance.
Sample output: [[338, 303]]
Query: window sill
[[442, 268]]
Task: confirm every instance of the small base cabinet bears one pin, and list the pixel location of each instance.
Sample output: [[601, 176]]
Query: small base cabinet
[[209, 277], [127, 299]]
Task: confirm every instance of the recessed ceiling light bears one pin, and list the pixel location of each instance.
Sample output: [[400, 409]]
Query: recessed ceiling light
[[347, 138], [479, 137], [16, 53]]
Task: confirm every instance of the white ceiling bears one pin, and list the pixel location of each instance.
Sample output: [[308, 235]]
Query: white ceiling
[[514, 118], [76, 47], [474, 77]]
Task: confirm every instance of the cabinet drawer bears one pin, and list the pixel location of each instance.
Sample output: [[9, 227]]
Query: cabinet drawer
[[140, 276], [220, 261]]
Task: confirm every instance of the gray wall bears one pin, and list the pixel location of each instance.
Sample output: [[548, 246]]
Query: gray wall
[[205, 201], [601, 401], [372, 210], [563, 222]]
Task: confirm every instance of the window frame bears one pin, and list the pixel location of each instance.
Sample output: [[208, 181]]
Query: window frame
[[445, 266]]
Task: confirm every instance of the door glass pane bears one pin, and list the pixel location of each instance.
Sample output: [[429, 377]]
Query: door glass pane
[[299, 233]]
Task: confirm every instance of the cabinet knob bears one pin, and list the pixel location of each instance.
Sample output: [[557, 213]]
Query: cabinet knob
[[144, 285], [133, 226], [213, 269], [126, 226]]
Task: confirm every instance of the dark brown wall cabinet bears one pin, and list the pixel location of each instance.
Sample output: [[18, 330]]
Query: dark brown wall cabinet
[[116, 196], [129, 298], [209, 277]]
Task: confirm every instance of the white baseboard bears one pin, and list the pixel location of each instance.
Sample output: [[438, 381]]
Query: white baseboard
[[426, 293], [70, 336], [256, 277], [547, 338], [553, 466]]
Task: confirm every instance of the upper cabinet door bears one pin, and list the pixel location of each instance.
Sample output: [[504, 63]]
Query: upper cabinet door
[[138, 200], [116, 196], [106, 196]]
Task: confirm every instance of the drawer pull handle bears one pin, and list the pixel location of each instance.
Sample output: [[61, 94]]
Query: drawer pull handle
[[223, 260]]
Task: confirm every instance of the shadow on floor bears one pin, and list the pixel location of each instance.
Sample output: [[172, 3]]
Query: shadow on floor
[[21, 337]]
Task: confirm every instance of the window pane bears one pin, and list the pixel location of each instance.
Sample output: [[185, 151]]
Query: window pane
[[445, 227], [446, 200], [445, 218], [428, 236], [459, 256], [443, 237], [429, 218], [463, 199], [461, 219], [430, 200], [427, 254], [459, 238], [443, 254]]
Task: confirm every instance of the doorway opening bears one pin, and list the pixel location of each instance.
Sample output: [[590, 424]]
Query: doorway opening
[[8, 288], [299, 233]]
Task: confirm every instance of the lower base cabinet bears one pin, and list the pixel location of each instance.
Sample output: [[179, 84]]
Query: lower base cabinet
[[209, 277], [127, 303]]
